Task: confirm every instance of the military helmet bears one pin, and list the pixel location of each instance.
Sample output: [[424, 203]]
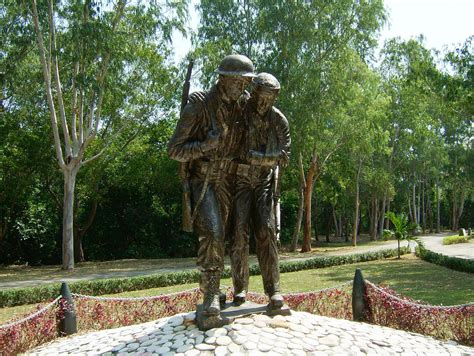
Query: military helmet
[[267, 81], [236, 64]]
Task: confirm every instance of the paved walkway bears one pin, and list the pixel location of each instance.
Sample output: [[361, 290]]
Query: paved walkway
[[435, 243], [298, 334], [131, 268], [432, 242]]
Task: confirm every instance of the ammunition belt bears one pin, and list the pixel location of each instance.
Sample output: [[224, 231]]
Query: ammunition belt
[[229, 167]]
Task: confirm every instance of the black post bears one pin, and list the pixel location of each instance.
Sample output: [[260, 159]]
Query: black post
[[358, 297], [67, 325]]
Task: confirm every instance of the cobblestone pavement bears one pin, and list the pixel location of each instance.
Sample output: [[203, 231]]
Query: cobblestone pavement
[[298, 334]]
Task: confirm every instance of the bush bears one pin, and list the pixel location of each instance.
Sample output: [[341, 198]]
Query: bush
[[13, 297], [449, 240], [458, 264]]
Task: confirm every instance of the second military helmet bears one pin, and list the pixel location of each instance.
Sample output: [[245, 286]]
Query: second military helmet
[[267, 81]]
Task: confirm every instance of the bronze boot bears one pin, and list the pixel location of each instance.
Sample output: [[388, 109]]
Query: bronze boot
[[210, 287], [239, 298]]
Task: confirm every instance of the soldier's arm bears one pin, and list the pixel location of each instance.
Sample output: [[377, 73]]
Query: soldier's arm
[[184, 146], [284, 139]]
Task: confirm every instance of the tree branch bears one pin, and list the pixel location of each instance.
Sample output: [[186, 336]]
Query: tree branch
[[47, 83], [62, 111], [74, 108]]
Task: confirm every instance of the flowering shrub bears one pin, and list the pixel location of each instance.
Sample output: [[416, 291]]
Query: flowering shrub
[[332, 302], [95, 313], [387, 308], [36, 329]]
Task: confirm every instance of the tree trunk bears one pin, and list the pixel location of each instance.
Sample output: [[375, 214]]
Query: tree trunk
[[68, 218], [459, 209], [429, 215], [455, 213], [314, 216], [423, 209], [438, 208], [386, 221], [374, 219], [356, 207], [299, 217], [382, 215], [336, 225], [418, 207], [415, 220], [346, 229], [328, 228], [308, 192], [81, 231]]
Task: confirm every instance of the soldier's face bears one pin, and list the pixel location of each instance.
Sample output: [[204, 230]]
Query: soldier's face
[[233, 87], [264, 101]]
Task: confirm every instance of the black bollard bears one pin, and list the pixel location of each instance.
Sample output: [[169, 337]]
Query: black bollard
[[68, 324], [358, 297]]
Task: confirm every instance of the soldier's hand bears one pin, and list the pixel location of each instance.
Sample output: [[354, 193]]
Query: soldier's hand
[[212, 141]]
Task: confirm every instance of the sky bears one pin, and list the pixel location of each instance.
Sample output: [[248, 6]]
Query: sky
[[442, 22]]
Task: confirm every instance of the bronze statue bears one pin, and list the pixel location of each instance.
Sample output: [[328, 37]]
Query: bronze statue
[[208, 138], [266, 148]]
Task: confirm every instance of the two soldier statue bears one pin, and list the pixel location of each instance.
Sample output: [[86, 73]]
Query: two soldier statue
[[231, 144]]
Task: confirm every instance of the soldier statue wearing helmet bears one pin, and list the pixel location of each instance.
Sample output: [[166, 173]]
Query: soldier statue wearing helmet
[[266, 148], [208, 138]]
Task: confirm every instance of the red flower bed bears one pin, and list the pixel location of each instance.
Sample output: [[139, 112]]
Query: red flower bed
[[96, 313], [34, 330], [334, 302], [387, 308]]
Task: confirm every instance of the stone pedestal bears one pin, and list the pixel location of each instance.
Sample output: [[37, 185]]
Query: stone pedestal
[[229, 312]]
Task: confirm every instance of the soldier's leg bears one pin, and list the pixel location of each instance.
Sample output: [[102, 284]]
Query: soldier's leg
[[210, 229], [239, 237], [265, 235]]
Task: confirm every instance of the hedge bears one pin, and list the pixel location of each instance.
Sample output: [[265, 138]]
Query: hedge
[[449, 240], [21, 296], [458, 264]]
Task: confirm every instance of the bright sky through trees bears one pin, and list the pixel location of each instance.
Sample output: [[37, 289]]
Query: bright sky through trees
[[442, 22]]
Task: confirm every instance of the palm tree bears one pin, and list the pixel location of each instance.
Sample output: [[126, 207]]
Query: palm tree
[[401, 228]]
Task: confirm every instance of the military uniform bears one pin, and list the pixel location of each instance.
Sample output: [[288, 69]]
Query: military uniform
[[208, 136], [267, 145]]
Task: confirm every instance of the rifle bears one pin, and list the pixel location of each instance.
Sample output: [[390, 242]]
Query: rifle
[[276, 197], [184, 166]]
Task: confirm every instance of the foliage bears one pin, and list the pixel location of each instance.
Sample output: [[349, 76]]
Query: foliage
[[387, 308], [458, 264], [332, 302], [20, 296], [31, 333], [401, 228], [404, 124], [449, 240]]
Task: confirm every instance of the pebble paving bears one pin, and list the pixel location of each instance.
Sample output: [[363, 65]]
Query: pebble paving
[[298, 334]]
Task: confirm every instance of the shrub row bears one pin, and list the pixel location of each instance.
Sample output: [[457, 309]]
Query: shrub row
[[449, 240], [458, 264], [13, 297]]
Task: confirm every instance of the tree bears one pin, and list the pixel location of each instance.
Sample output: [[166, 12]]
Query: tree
[[298, 42], [89, 37], [401, 227]]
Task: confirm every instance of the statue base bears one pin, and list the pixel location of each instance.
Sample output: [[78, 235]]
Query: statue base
[[229, 312]]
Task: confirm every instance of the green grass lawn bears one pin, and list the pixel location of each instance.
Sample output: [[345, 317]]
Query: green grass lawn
[[409, 276], [45, 274]]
